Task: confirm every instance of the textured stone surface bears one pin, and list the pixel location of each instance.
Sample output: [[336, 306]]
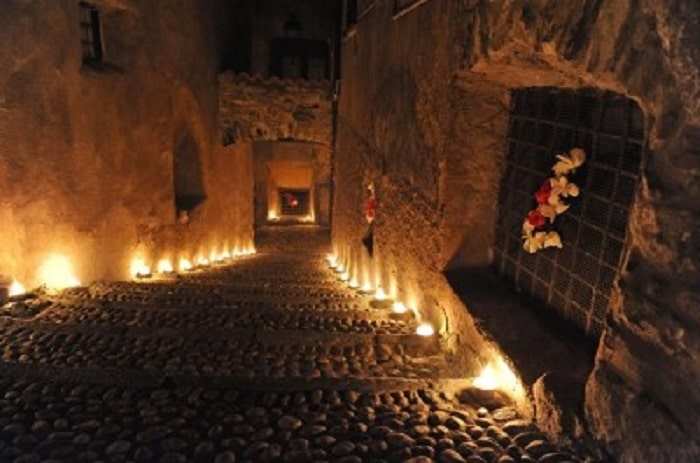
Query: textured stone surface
[[86, 154], [190, 388], [257, 108], [423, 114]]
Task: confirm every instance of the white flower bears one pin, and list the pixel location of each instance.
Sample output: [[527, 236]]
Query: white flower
[[549, 212], [528, 227], [534, 242], [553, 240], [562, 187], [570, 162]]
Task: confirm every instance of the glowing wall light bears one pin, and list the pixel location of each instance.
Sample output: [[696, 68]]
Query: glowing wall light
[[57, 273]]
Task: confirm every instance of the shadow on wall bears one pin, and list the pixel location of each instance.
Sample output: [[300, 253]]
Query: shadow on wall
[[187, 173]]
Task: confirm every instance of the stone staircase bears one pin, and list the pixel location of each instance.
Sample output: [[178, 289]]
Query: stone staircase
[[269, 359]]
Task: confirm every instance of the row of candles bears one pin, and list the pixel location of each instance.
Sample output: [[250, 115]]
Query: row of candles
[[496, 375], [56, 273], [423, 329], [141, 269]]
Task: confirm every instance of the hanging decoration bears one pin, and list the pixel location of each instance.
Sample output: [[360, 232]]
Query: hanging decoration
[[537, 228]]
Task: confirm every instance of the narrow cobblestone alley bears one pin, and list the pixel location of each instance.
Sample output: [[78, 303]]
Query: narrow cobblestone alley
[[266, 359]]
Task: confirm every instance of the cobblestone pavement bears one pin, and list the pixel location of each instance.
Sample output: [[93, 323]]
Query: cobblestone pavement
[[268, 359]]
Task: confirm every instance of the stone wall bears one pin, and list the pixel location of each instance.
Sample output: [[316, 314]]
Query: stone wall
[[423, 115], [86, 153], [298, 113]]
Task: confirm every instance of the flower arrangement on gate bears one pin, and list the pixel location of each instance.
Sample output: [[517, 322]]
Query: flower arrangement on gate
[[538, 233]]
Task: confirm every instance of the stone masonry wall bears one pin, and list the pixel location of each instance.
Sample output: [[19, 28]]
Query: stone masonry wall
[[255, 109], [423, 106], [86, 154]]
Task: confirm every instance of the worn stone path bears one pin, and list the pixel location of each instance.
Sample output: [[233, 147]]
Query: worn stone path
[[268, 359]]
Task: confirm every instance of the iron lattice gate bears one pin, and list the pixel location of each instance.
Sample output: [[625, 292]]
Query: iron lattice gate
[[577, 280], [294, 202]]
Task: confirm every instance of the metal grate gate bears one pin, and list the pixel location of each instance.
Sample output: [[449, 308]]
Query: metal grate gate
[[295, 202], [576, 281]]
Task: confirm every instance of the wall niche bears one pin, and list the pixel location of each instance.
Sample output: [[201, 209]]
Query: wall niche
[[575, 281]]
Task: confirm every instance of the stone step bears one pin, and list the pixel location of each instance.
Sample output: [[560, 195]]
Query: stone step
[[378, 322], [226, 353], [193, 423]]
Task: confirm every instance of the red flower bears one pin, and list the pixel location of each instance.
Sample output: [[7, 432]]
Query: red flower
[[371, 209], [536, 219], [542, 195]]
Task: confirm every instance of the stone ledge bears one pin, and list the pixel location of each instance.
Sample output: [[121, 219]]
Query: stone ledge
[[551, 357]]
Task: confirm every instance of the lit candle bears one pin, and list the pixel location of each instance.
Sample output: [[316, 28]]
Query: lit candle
[[380, 295], [399, 308], [425, 329], [185, 265], [17, 289], [165, 266]]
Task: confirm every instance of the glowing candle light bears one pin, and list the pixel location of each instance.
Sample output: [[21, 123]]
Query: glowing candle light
[[399, 307], [425, 329], [226, 255], [139, 269], [332, 260], [165, 266], [487, 380], [354, 284], [57, 273], [380, 295], [345, 276], [202, 261], [185, 265], [17, 289], [367, 288]]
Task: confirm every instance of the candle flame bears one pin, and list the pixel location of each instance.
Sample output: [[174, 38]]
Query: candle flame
[[17, 289], [399, 307], [57, 273], [185, 265], [380, 295], [498, 375], [425, 329], [165, 266], [487, 380], [139, 268], [202, 261]]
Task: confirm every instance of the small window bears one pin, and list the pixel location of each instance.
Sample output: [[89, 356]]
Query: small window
[[90, 33]]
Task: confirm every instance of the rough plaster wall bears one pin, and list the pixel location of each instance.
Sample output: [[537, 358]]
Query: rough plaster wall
[[642, 397], [397, 128], [86, 156]]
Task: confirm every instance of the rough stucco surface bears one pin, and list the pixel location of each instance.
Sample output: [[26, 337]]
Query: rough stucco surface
[[257, 108], [86, 156], [415, 87]]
